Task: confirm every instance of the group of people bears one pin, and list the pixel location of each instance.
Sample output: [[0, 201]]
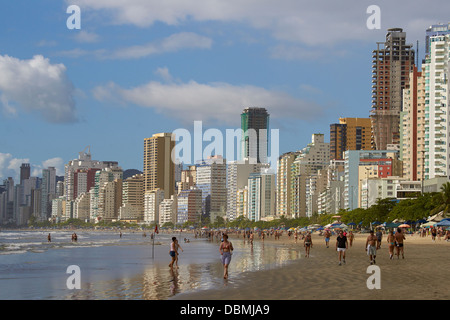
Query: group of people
[[373, 242], [225, 249], [435, 232], [74, 237]]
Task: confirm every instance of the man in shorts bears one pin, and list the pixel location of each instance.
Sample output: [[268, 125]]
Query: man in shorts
[[372, 243], [341, 246], [399, 237]]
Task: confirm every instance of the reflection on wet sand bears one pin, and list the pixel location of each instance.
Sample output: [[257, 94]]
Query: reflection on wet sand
[[159, 282]]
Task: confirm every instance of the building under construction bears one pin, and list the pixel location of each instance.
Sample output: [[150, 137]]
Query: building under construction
[[392, 61]]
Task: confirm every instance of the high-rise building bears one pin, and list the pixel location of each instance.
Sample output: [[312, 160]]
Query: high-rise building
[[284, 181], [350, 134], [168, 210], [188, 178], [255, 137], [48, 187], [133, 198], [437, 111], [392, 62], [159, 169], [212, 180], [84, 161], [435, 30], [312, 158], [237, 178], [106, 196], [25, 171], [381, 162], [189, 205], [413, 127], [261, 195], [152, 200]]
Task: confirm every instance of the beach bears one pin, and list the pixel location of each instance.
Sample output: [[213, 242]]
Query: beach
[[114, 268], [422, 275], [118, 268]]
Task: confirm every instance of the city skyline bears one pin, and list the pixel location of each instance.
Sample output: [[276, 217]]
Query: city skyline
[[197, 58]]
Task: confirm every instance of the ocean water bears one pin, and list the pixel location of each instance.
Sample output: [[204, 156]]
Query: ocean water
[[130, 267]]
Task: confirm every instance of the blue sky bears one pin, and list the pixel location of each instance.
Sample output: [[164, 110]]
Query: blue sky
[[137, 67]]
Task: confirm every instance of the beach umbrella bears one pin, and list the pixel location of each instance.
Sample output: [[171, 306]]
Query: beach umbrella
[[376, 222], [352, 224], [443, 223], [404, 226]]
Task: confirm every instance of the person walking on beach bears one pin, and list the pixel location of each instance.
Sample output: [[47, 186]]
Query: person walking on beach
[[391, 244], [379, 235], [225, 250], [341, 246], [399, 237], [327, 235], [371, 246], [177, 246], [49, 238], [307, 244], [173, 251], [351, 237], [433, 234]]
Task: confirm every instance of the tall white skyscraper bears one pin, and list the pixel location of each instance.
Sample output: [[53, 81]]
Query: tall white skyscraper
[[437, 111], [237, 178]]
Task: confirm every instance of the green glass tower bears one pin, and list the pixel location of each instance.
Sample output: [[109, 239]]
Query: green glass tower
[[255, 137]]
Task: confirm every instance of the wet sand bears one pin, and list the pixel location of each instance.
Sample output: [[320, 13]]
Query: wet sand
[[422, 275]]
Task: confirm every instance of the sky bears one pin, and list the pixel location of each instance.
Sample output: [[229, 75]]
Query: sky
[[139, 67]]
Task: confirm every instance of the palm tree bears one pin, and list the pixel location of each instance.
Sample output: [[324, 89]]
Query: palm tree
[[443, 200]]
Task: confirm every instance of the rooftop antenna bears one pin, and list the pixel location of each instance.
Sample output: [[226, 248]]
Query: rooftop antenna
[[417, 54]]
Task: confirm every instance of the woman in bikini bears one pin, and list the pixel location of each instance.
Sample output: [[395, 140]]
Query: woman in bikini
[[391, 244], [307, 244], [225, 250]]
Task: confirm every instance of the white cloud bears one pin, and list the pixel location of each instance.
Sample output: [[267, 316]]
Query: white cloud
[[86, 37], [36, 85], [57, 163], [216, 102], [173, 43], [164, 74], [314, 23], [10, 166]]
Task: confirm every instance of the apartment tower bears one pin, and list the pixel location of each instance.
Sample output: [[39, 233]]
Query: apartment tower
[[254, 140], [392, 62], [159, 169]]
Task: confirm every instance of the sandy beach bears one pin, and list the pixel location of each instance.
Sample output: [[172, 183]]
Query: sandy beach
[[422, 275]]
